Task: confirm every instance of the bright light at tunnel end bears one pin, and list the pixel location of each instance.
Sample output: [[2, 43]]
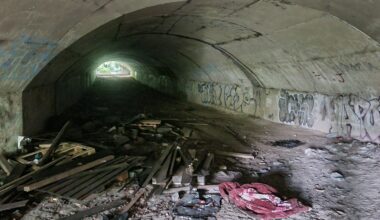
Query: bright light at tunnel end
[[113, 69]]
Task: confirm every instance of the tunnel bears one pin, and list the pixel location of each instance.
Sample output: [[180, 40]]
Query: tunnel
[[292, 69], [303, 66]]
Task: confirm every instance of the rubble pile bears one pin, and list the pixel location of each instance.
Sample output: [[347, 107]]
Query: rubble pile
[[150, 165]]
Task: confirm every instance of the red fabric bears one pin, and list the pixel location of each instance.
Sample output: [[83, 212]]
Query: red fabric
[[261, 200]]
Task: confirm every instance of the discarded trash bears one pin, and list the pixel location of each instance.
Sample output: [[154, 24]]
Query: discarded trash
[[261, 200], [337, 176], [198, 205]]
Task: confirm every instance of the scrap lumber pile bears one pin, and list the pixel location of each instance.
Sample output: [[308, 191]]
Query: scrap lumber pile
[[153, 153]]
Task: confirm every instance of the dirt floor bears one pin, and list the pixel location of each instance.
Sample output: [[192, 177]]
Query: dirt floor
[[338, 180]]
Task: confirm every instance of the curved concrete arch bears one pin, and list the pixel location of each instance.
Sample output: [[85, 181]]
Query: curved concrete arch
[[257, 47]]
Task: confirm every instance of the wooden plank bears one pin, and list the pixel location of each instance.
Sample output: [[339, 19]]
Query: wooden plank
[[68, 173], [10, 195], [83, 185], [185, 157], [75, 184], [205, 169], [93, 182], [157, 166], [70, 165], [54, 187], [136, 198], [173, 162], [178, 176], [162, 173], [53, 147], [5, 164], [62, 186], [94, 186], [17, 171], [234, 154], [13, 205], [15, 183], [100, 170]]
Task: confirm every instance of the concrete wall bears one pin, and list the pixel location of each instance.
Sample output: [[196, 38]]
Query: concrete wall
[[11, 120], [230, 46], [350, 115]]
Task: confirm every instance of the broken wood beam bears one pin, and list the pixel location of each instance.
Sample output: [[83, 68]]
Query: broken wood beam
[[234, 154], [94, 185], [68, 173], [15, 183], [14, 205], [173, 161], [185, 157], [17, 171], [160, 176], [157, 166], [55, 144], [205, 169], [5, 164], [137, 196]]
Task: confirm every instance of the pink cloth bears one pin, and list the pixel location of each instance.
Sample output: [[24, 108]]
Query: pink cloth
[[261, 200]]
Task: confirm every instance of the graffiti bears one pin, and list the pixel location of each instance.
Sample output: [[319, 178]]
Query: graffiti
[[358, 117], [25, 55], [296, 108], [230, 96]]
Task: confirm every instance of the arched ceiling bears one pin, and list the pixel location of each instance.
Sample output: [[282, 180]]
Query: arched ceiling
[[267, 43]]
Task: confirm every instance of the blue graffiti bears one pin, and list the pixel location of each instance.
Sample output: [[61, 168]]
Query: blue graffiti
[[25, 57]]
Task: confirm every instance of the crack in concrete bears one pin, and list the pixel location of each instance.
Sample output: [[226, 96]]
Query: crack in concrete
[[103, 6], [219, 20], [170, 15], [195, 63], [174, 24], [256, 35], [244, 68], [243, 7]]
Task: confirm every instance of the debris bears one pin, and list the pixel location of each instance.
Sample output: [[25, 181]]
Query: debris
[[205, 169], [137, 196], [123, 176], [69, 150], [53, 147], [287, 143], [261, 200], [157, 166], [4, 164], [15, 183], [95, 210], [233, 154], [68, 173], [14, 205], [187, 132], [198, 205], [337, 176], [240, 138]]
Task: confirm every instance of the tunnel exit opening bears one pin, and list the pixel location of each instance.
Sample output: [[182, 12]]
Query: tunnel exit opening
[[113, 69]]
